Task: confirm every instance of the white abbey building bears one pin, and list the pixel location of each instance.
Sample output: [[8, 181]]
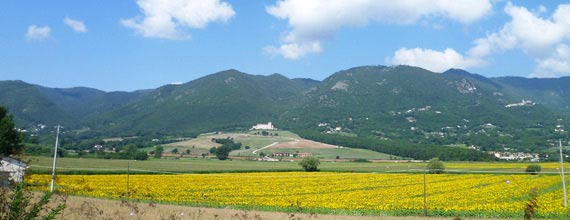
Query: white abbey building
[[267, 126]]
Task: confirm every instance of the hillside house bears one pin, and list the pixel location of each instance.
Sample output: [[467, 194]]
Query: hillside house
[[13, 169], [267, 126]]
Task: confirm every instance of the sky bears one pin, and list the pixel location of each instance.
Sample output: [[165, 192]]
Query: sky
[[127, 45]]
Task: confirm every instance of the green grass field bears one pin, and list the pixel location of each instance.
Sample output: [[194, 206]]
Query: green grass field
[[193, 165]]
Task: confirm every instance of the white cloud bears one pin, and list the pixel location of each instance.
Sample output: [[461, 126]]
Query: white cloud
[[165, 19], [545, 40], [75, 25], [433, 60], [37, 33], [527, 31], [540, 38], [556, 65], [313, 21], [294, 50]]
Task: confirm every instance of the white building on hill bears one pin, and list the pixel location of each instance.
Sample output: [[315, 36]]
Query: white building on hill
[[267, 126]]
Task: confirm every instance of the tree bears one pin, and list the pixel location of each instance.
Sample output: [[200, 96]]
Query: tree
[[533, 169], [175, 151], [131, 150], [141, 155], [310, 164], [10, 139], [223, 152], [158, 152], [435, 166]]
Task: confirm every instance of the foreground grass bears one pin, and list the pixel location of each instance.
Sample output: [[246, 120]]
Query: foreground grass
[[91, 208]]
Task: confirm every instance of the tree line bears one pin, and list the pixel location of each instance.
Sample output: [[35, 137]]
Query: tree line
[[399, 148]]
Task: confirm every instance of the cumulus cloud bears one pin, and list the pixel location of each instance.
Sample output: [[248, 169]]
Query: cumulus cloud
[[165, 19], [436, 61], [311, 22], [527, 31], [545, 40], [555, 65], [37, 33], [294, 50], [541, 38], [75, 25]]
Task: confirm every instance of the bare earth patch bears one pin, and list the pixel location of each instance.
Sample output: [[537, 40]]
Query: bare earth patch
[[303, 143]]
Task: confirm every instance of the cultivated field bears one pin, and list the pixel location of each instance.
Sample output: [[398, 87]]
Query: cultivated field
[[355, 193], [284, 141]]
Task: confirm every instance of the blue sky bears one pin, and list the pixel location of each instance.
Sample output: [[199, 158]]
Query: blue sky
[[139, 44]]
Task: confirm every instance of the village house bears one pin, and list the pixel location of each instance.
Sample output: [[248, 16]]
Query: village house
[[284, 154], [13, 169], [301, 155]]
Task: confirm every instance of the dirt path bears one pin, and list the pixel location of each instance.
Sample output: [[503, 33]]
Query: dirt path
[[263, 148], [90, 208]]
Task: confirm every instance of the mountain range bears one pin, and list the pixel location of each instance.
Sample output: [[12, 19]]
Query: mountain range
[[393, 103]]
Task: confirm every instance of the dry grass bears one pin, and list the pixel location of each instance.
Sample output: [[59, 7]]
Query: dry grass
[[91, 208]]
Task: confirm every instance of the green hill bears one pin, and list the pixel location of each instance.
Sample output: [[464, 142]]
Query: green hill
[[224, 100], [386, 106], [553, 93], [29, 106]]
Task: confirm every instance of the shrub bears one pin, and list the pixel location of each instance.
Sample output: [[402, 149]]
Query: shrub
[[435, 166], [531, 205], [360, 160], [310, 164], [533, 169], [19, 203]]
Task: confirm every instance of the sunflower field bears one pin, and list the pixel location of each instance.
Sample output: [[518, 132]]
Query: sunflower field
[[488, 195]]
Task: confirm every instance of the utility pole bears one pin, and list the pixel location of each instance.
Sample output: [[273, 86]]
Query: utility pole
[[562, 173], [425, 196], [128, 175], [54, 160]]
